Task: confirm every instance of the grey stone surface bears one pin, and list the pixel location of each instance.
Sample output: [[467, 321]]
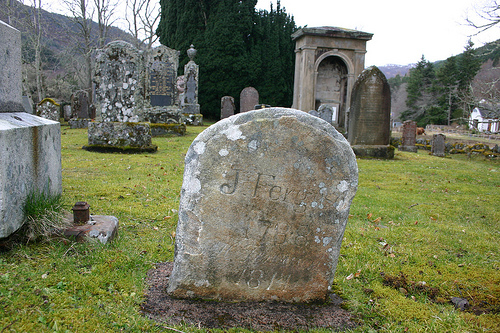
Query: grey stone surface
[[30, 159], [264, 203], [438, 145], [10, 69], [370, 112], [28, 104], [249, 98], [226, 107]]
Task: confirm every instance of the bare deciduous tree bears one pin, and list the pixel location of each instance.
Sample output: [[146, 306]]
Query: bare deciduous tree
[[487, 17], [82, 14], [105, 10], [142, 17]]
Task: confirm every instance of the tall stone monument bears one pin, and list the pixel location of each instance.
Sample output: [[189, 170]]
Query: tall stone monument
[[409, 137], [369, 130], [30, 146], [264, 203], [189, 99], [249, 98], [327, 62]]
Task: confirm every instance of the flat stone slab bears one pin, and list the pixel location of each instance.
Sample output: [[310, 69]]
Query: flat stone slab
[[263, 208], [101, 227]]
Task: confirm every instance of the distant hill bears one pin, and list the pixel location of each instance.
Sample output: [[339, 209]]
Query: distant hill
[[61, 48], [393, 70]]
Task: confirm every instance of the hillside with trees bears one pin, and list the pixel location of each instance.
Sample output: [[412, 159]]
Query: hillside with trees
[[57, 49], [446, 91]]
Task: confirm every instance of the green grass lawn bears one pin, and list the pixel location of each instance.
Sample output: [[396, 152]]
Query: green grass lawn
[[422, 230]]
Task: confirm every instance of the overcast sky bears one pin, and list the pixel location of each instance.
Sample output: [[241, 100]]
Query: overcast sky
[[403, 30]]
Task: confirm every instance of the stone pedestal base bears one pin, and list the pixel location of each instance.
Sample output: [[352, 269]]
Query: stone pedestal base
[[117, 136], [100, 227], [411, 149], [374, 151], [165, 129]]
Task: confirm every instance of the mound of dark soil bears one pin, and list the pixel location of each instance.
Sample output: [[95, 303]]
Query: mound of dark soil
[[261, 316]]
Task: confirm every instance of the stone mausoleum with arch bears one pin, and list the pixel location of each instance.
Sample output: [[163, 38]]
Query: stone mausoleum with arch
[[328, 61]]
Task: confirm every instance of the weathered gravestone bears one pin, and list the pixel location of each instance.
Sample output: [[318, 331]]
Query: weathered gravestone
[[438, 145], [226, 107], [67, 112], [119, 99], [264, 204], [48, 109], [80, 105], [30, 146], [80, 110], [325, 112], [118, 78], [249, 98], [409, 137], [369, 129]]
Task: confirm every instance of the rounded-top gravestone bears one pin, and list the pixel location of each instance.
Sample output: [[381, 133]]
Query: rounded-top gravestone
[[264, 204]]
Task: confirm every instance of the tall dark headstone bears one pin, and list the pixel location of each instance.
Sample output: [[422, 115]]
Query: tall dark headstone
[[369, 129], [264, 203], [162, 68], [409, 137], [227, 107], [80, 104], [249, 98]]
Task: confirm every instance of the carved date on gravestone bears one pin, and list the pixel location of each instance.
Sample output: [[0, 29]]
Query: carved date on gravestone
[[264, 204]]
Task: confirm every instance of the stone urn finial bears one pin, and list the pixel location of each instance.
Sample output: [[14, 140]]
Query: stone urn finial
[[191, 52]]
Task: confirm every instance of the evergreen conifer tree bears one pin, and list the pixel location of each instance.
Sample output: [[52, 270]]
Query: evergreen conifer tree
[[237, 47]]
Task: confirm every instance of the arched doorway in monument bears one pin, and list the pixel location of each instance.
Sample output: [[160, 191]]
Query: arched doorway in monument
[[331, 87]]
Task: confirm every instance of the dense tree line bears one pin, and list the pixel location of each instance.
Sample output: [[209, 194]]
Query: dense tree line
[[237, 45], [441, 93]]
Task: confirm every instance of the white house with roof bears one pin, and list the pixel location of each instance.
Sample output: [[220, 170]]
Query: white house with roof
[[485, 118]]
